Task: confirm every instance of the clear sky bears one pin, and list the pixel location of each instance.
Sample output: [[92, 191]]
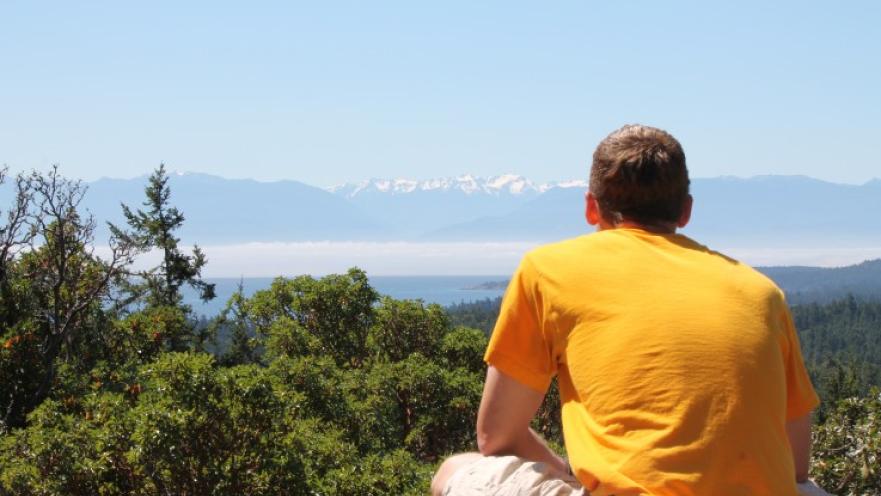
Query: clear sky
[[327, 92]]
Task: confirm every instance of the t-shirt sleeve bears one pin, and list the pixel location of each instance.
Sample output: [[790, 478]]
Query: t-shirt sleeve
[[518, 346], [800, 395]]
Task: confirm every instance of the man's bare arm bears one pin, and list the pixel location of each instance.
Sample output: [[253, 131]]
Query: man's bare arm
[[506, 409], [799, 433]]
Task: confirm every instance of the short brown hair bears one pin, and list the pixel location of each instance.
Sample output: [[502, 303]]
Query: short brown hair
[[639, 174]]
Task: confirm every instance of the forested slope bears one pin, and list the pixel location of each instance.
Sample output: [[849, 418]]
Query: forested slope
[[826, 284]]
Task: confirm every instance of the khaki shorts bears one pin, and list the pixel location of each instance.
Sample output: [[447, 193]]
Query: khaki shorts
[[509, 475]]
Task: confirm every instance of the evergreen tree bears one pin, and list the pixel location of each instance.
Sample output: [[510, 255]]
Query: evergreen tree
[[236, 327], [155, 227]]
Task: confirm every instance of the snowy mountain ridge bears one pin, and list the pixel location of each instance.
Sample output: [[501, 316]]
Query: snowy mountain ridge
[[469, 184]]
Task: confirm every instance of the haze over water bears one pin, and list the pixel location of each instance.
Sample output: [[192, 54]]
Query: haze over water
[[461, 259]]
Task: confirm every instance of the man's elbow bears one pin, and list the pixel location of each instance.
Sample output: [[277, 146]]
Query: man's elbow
[[491, 443], [799, 433]]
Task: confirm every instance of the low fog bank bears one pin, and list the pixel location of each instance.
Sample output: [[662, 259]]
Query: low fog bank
[[444, 258]]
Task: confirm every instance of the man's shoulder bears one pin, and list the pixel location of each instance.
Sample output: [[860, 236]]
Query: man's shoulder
[[560, 246], [612, 248], [559, 250], [740, 274], [737, 267]]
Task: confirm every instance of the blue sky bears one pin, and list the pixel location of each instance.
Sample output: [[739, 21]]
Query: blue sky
[[327, 92]]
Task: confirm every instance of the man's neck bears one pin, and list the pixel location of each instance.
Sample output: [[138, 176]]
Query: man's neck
[[658, 228]]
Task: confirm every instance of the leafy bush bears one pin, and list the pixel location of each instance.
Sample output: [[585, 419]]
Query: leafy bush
[[372, 417], [847, 447]]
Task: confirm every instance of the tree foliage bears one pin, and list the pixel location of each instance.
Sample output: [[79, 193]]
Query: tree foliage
[[52, 288], [234, 328], [847, 447], [154, 228], [306, 420]]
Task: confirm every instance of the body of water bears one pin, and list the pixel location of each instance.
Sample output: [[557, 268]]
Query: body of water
[[443, 290]]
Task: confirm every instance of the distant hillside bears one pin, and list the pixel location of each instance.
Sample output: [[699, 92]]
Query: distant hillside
[[558, 213], [785, 211], [762, 212], [821, 285], [767, 211], [221, 210], [234, 211]]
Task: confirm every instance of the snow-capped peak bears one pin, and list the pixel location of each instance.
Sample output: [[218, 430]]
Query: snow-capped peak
[[511, 184], [572, 183]]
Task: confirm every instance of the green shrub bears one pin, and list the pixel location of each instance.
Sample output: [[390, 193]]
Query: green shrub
[[847, 447]]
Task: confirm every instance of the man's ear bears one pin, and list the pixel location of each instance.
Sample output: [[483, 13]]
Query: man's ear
[[685, 216], [591, 209]]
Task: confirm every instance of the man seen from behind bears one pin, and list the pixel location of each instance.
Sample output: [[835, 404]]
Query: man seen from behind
[[679, 368]]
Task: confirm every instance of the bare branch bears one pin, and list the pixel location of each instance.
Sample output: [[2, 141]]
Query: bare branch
[[16, 233]]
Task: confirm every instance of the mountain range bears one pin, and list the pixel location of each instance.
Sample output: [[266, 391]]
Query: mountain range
[[763, 211]]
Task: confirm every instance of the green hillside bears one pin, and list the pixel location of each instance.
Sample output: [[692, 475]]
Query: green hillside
[[825, 284]]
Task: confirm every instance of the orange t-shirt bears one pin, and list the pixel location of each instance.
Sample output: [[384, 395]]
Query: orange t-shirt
[[678, 367]]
